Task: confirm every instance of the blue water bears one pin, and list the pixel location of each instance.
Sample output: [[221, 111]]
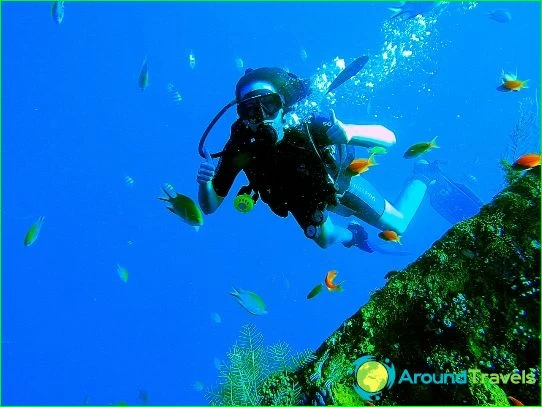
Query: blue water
[[75, 125]]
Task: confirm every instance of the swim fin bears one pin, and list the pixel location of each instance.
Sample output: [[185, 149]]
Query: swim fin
[[453, 201]]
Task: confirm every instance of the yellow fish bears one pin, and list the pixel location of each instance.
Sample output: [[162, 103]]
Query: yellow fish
[[33, 232], [421, 148], [184, 207]]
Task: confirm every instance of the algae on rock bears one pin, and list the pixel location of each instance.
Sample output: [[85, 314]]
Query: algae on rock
[[472, 301]]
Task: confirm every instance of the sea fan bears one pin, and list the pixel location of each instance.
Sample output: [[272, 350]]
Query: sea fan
[[241, 378], [279, 354], [524, 137], [250, 363]]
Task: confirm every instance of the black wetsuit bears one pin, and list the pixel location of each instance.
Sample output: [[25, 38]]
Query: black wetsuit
[[303, 174], [297, 175]]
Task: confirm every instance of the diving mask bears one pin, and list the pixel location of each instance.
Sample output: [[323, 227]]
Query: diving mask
[[260, 107]]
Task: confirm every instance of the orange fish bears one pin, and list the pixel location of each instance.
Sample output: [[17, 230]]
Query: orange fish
[[360, 165], [390, 236], [515, 401], [510, 82], [331, 286], [527, 161]]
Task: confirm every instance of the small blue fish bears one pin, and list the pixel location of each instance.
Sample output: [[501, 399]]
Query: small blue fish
[[143, 80], [349, 72], [250, 301], [123, 273], [500, 16], [411, 9], [57, 11], [129, 181]]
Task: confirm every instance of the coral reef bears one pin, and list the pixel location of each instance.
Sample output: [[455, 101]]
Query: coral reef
[[470, 303]]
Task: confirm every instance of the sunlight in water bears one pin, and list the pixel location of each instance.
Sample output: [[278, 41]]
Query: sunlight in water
[[409, 48]]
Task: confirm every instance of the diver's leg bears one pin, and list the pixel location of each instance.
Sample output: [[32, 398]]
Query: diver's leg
[[330, 234], [321, 230], [397, 217], [362, 199]]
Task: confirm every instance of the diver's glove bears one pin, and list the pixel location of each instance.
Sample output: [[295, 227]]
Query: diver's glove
[[206, 170], [359, 237], [337, 132]]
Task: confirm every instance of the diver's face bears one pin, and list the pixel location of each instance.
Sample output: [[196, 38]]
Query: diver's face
[[265, 109], [277, 123]]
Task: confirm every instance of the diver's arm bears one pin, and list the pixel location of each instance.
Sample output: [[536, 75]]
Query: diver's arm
[[369, 135], [363, 135], [215, 182], [208, 199]]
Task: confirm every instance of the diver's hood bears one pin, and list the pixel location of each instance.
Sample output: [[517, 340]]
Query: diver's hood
[[288, 85]]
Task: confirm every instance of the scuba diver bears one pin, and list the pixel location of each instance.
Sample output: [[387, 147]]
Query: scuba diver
[[302, 169]]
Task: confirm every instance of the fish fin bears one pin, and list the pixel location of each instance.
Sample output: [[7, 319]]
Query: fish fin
[[397, 10], [337, 289], [196, 228], [507, 76], [167, 193], [235, 292]]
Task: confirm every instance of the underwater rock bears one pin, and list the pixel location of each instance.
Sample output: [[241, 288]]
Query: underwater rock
[[472, 301]]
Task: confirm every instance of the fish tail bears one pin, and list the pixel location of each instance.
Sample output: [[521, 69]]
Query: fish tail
[[433, 143], [396, 10], [167, 193], [235, 292], [525, 84], [372, 160]]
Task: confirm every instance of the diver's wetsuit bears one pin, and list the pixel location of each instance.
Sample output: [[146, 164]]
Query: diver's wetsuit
[[302, 174]]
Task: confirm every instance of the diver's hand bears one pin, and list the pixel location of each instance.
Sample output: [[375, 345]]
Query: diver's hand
[[206, 170], [337, 132]]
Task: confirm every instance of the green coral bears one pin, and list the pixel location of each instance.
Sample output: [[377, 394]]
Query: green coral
[[243, 376], [246, 379], [344, 395]]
